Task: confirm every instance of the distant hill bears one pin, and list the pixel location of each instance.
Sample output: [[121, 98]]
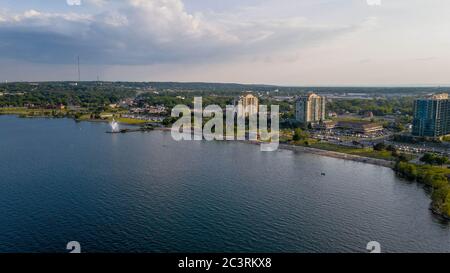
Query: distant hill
[[223, 87]]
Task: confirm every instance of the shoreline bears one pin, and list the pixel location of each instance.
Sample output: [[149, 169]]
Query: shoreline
[[439, 214], [357, 158], [290, 147], [338, 155], [310, 150]]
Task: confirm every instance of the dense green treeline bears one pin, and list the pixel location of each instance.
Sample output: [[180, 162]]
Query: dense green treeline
[[19, 95], [379, 107], [281, 90], [434, 159], [434, 177], [170, 99]]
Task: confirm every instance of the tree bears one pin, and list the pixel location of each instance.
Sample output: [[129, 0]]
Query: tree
[[402, 158], [435, 180], [411, 172], [440, 195], [169, 121], [434, 159], [441, 160], [439, 182], [391, 148], [407, 170], [379, 146], [299, 134], [395, 153], [398, 127], [427, 158]]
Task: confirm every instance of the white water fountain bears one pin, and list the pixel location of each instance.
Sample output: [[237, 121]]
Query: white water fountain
[[114, 126]]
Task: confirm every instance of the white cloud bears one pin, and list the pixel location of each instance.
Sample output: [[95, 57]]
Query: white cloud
[[98, 3], [73, 2], [157, 31], [374, 2], [299, 42]]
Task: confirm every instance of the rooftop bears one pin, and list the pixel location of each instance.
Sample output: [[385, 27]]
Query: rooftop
[[442, 96]]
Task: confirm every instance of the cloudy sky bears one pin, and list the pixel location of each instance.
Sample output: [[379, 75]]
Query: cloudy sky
[[286, 42]]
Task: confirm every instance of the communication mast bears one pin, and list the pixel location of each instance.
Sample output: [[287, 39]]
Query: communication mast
[[79, 74]]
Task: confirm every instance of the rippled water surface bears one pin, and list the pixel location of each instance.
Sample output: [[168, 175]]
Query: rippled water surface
[[143, 192]]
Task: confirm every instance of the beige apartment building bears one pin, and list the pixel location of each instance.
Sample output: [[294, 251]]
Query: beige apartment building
[[310, 108], [250, 105]]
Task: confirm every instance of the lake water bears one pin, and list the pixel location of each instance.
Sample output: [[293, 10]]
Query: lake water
[[143, 192]]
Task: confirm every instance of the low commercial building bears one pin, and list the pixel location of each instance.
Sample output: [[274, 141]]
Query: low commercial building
[[156, 109], [324, 125], [360, 127], [332, 114]]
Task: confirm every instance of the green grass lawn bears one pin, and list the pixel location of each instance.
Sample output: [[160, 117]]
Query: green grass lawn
[[434, 169], [85, 117], [18, 111], [21, 111], [131, 121]]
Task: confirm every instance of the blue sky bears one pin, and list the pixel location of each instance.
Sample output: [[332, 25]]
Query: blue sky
[[287, 42]]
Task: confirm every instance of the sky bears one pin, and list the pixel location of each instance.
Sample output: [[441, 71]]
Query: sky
[[283, 42]]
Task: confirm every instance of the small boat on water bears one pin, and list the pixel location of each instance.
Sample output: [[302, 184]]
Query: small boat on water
[[323, 174]]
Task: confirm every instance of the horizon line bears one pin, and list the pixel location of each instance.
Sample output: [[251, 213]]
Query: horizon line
[[240, 83]]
